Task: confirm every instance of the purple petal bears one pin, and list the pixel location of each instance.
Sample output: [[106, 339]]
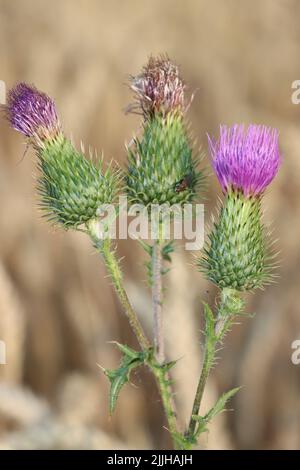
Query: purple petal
[[246, 159], [30, 110]]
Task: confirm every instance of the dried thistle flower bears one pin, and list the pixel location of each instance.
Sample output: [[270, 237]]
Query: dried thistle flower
[[158, 88]]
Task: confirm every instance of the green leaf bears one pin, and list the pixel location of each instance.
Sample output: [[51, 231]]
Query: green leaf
[[221, 403], [168, 365], [120, 376], [167, 250], [209, 321], [117, 383], [148, 248], [218, 408], [127, 351]]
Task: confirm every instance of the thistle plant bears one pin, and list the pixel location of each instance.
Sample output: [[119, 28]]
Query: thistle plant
[[238, 255], [162, 169]]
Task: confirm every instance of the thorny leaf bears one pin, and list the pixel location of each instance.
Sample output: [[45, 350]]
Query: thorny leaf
[[120, 376], [218, 408]]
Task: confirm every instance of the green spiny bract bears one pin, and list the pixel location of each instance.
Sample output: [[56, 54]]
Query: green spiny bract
[[72, 188], [237, 253], [161, 167]]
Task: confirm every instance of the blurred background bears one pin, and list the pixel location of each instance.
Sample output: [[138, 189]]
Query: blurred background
[[58, 311]]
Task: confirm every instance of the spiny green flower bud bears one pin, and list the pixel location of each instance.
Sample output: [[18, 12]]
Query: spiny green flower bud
[[72, 188], [237, 255], [161, 166]]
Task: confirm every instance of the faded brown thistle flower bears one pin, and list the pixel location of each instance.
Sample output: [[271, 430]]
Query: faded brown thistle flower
[[158, 89]]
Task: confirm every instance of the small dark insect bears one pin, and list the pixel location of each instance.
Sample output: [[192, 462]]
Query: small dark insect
[[184, 184]]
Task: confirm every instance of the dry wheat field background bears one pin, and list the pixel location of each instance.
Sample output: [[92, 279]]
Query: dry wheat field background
[[58, 310]]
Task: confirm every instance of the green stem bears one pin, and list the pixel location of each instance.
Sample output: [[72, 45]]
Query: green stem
[[157, 301], [209, 353], [230, 305], [162, 376], [163, 383], [113, 268]]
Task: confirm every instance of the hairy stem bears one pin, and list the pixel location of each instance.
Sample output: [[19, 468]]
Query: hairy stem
[[209, 353], [157, 301], [164, 386], [113, 268], [230, 305]]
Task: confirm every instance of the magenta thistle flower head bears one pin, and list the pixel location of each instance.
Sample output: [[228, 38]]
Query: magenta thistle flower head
[[245, 159], [32, 113], [158, 89]]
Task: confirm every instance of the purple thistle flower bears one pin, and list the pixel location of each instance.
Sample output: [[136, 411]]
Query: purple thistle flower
[[32, 113], [245, 159], [159, 88]]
